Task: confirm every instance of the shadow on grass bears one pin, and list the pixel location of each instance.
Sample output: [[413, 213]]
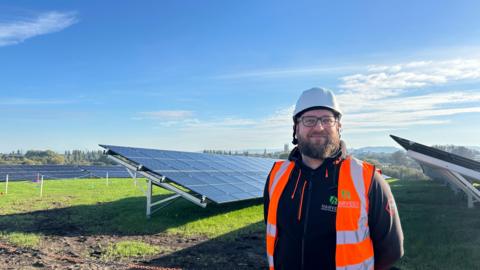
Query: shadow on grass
[[121, 218], [240, 249]]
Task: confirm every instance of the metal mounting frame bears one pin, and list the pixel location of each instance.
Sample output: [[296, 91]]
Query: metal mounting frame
[[453, 173], [159, 181]]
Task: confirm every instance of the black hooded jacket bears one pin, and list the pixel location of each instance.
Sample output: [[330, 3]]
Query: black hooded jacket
[[307, 213]]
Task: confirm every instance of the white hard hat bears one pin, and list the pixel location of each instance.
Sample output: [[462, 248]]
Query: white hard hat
[[316, 98]]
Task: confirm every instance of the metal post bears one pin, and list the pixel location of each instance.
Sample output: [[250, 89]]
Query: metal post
[[6, 184], [41, 187], [107, 178], [149, 197], [469, 200], [453, 187]]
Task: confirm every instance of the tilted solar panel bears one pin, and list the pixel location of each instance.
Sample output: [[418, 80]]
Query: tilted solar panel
[[437, 153], [221, 178], [459, 172]]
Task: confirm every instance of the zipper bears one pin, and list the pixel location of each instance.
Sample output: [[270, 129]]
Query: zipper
[[305, 223], [299, 215], [296, 184]]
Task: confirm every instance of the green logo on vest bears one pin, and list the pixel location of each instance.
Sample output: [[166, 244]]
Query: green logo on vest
[[333, 200], [345, 194]]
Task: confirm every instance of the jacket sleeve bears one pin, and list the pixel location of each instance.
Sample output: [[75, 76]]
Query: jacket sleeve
[[384, 223], [266, 198]]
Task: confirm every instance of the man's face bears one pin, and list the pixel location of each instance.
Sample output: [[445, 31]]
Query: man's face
[[318, 142]]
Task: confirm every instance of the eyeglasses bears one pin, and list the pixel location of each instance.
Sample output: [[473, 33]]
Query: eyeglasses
[[311, 121]]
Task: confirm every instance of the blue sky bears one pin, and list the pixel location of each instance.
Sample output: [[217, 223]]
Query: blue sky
[[193, 75]]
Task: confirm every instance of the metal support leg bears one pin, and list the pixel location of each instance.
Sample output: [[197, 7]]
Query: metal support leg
[[157, 180], [472, 193], [454, 188], [163, 203], [149, 198]]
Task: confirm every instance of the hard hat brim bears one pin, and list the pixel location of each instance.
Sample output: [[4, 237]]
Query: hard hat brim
[[335, 113]]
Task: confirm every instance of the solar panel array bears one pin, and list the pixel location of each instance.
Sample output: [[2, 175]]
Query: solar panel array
[[34, 172], [221, 178]]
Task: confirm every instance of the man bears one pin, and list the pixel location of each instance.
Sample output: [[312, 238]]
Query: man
[[324, 209]]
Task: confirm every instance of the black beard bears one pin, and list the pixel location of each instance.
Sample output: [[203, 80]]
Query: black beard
[[323, 151]]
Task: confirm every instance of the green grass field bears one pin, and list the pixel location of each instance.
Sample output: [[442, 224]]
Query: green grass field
[[119, 208], [130, 249], [440, 231]]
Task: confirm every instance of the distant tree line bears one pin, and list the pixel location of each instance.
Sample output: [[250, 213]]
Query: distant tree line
[[265, 154], [74, 157], [87, 157], [459, 150], [398, 158]]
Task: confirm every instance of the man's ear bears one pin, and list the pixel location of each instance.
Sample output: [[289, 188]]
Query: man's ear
[[294, 135]]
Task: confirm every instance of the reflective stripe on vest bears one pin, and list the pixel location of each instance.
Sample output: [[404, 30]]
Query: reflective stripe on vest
[[278, 180], [354, 249]]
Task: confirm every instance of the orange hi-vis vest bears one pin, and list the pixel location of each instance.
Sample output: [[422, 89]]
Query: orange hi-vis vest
[[354, 248]]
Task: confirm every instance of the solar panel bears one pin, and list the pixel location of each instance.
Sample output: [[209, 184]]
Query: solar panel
[[220, 178], [455, 170], [437, 153]]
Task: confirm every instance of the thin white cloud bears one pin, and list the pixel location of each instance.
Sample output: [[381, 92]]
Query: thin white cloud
[[402, 112], [394, 96], [33, 101], [419, 74], [165, 116], [285, 72], [228, 122], [18, 31]]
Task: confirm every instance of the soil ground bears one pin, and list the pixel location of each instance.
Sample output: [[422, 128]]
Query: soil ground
[[177, 252]]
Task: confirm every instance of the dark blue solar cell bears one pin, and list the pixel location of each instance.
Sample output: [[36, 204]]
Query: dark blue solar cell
[[232, 166], [153, 164], [208, 190], [202, 165], [248, 187], [175, 175], [181, 166], [187, 180], [242, 196]]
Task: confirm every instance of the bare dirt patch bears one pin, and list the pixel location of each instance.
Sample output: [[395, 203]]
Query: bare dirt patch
[[244, 251]]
